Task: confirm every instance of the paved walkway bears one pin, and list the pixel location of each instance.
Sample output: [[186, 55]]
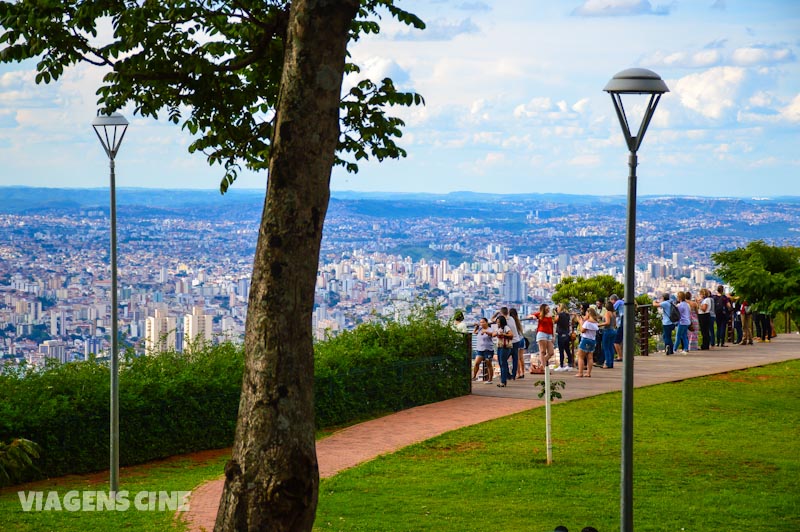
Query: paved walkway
[[365, 441]]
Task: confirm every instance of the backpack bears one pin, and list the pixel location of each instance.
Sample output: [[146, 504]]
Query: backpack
[[674, 313], [721, 306]]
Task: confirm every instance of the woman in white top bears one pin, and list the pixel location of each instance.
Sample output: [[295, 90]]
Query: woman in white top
[[704, 311], [588, 326]]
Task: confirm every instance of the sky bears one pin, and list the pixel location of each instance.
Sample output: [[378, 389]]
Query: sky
[[514, 104]]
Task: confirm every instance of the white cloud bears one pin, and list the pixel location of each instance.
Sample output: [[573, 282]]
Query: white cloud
[[619, 8], [543, 109], [791, 112], [761, 99], [761, 55], [580, 105], [439, 30], [699, 59], [711, 93]]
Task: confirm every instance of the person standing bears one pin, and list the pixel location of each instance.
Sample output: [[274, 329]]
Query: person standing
[[563, 323], [544, 333], [516, 339], [518, 350], [682, 336], [694, 326], [608, 323], [736, 318], [503, 335], [484, 350], [619, 308], [588, 327], [704, 317], [667, 325], [763, 327], [747, 323], [722, 308]]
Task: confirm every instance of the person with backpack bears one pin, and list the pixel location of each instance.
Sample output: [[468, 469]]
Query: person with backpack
[[722, 307], [668, 320]]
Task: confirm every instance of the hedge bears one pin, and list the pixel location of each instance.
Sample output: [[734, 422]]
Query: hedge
[[175, 403]]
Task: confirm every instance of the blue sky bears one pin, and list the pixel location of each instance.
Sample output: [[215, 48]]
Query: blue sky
[[514, 103]]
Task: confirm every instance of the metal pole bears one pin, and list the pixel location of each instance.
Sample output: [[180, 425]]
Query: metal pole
[[628, 330], [114, 481]]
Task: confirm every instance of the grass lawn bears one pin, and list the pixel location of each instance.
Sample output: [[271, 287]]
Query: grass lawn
[[175, 474], [719, 453]]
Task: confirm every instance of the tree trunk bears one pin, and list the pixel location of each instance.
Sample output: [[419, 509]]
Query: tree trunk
[[272, 479]]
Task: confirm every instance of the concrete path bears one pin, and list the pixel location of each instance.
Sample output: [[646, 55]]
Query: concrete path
[[365, 441]]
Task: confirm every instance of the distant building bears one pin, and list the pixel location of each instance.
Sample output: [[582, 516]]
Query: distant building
[[513, 289], [160, 332], [197, 328], [54, 349]]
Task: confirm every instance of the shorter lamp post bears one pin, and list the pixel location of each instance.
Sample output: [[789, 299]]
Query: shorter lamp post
[[110, 130], [631, 81]]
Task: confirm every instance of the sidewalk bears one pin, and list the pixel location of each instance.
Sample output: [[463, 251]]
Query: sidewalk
[[365, 441]]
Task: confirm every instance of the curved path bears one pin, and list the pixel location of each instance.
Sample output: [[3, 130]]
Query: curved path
[[365, 441]]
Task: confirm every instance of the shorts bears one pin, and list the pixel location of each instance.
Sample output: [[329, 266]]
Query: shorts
[[587, 344], [618, 337], [544, 336], [487, 355]]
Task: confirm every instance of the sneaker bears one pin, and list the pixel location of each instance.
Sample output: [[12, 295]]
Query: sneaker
[[559, 369], [487, 382], [567, 368], [684, 352]]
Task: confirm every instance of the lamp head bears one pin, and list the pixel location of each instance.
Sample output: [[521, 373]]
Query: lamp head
[[636, 81], [110, 129]]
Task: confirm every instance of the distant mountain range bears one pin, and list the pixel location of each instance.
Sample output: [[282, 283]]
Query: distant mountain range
[[30, 199]]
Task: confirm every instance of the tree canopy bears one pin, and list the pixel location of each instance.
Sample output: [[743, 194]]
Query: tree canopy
[[577, 290], [768, 277], [214, 67]]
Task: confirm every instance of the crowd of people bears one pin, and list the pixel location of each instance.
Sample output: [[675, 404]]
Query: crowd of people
[[503, 336], [592, 335], [708, 321]]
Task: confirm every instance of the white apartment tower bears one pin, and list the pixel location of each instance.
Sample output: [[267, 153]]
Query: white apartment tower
[[197, 328], [160, 332]]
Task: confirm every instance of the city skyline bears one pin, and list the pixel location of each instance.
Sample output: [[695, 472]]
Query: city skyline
[[514, 96]]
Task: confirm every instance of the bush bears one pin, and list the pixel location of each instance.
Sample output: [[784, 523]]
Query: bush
[[177, 403], [65, 407]]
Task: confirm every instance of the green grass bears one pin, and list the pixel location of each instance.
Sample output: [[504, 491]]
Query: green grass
[[711, 454], [715, 453], [180, 474]]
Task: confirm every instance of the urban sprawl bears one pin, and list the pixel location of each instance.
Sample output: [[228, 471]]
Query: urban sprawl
[[184, 277]]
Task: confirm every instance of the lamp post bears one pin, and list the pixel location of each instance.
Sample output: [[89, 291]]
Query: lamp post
[[110, 130], [631, 81]]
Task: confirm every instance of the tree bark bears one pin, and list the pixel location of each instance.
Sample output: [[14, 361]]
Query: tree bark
[[272, 479]]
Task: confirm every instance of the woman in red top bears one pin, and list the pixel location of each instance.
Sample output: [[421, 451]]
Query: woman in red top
[[544, 333]]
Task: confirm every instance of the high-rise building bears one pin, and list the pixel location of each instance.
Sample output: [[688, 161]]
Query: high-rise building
[[160, 332], [197, 328], [513, 289], [54, 349]]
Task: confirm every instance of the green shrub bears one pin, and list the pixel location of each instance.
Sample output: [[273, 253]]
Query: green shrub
[[177, 403]]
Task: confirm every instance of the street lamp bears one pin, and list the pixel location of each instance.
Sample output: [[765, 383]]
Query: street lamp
[[631, 81], [110, 130]]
